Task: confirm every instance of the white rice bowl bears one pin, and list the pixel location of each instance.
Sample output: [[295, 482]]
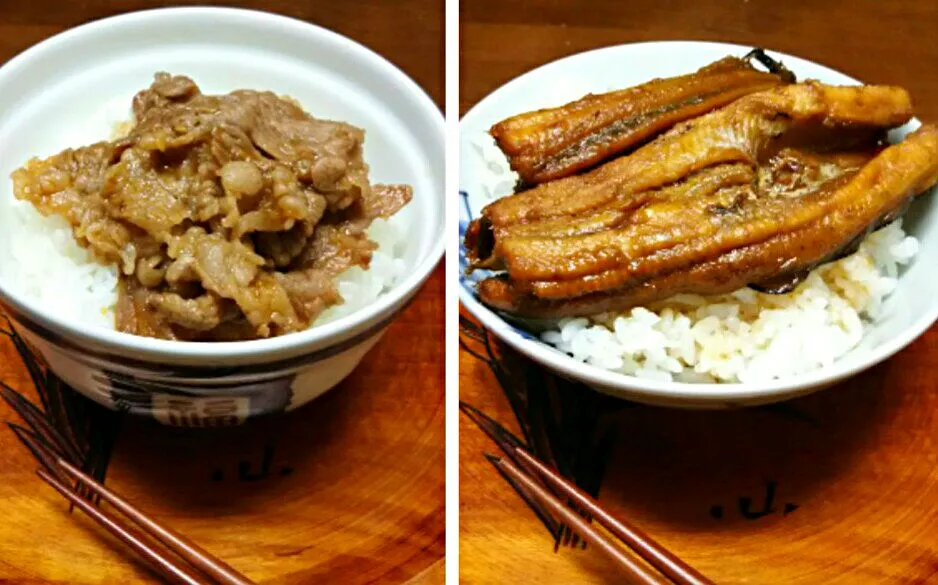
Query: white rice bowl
[[745, 336], [44, 258]]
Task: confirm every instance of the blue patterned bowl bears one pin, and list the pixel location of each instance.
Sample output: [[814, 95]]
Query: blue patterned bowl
[[908, 312], [61, 84]]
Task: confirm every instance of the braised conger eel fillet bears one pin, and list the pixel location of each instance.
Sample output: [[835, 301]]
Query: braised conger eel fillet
[[554, 143], [757, 193]]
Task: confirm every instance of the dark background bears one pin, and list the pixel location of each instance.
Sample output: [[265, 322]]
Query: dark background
[[890, 42]]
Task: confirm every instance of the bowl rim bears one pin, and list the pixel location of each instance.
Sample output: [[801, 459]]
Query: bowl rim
[[261, 349], [623, 384]]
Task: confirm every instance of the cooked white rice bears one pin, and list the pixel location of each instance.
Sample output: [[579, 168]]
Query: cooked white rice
[[745, 336], [43, 262]]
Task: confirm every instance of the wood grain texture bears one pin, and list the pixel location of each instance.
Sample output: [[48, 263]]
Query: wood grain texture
[[852, 471], [353, 491], [838, 487]]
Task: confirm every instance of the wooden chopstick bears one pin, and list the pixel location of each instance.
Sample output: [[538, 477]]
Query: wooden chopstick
[[656, 555], [636, 572], [644, 545], [186, 550], [172, 571]]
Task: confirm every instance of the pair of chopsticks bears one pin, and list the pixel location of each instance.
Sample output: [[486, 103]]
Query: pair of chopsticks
[[525, 470], [202, 569]]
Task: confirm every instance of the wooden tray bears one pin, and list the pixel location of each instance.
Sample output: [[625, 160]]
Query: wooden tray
[[839, 487], [346, 490], [857, 463], [349, 489]]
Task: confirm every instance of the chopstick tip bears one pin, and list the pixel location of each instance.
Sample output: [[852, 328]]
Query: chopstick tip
[[493, 459]]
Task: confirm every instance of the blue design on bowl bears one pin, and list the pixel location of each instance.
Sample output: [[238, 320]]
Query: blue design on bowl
[[469, 281], [185, 395]]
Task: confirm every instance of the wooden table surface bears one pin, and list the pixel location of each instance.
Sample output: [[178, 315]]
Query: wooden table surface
[[839, 487], [348, 489]]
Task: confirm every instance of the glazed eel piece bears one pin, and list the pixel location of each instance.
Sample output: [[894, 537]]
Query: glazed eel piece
[[734, 200], [553, 143], [830, 222]]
